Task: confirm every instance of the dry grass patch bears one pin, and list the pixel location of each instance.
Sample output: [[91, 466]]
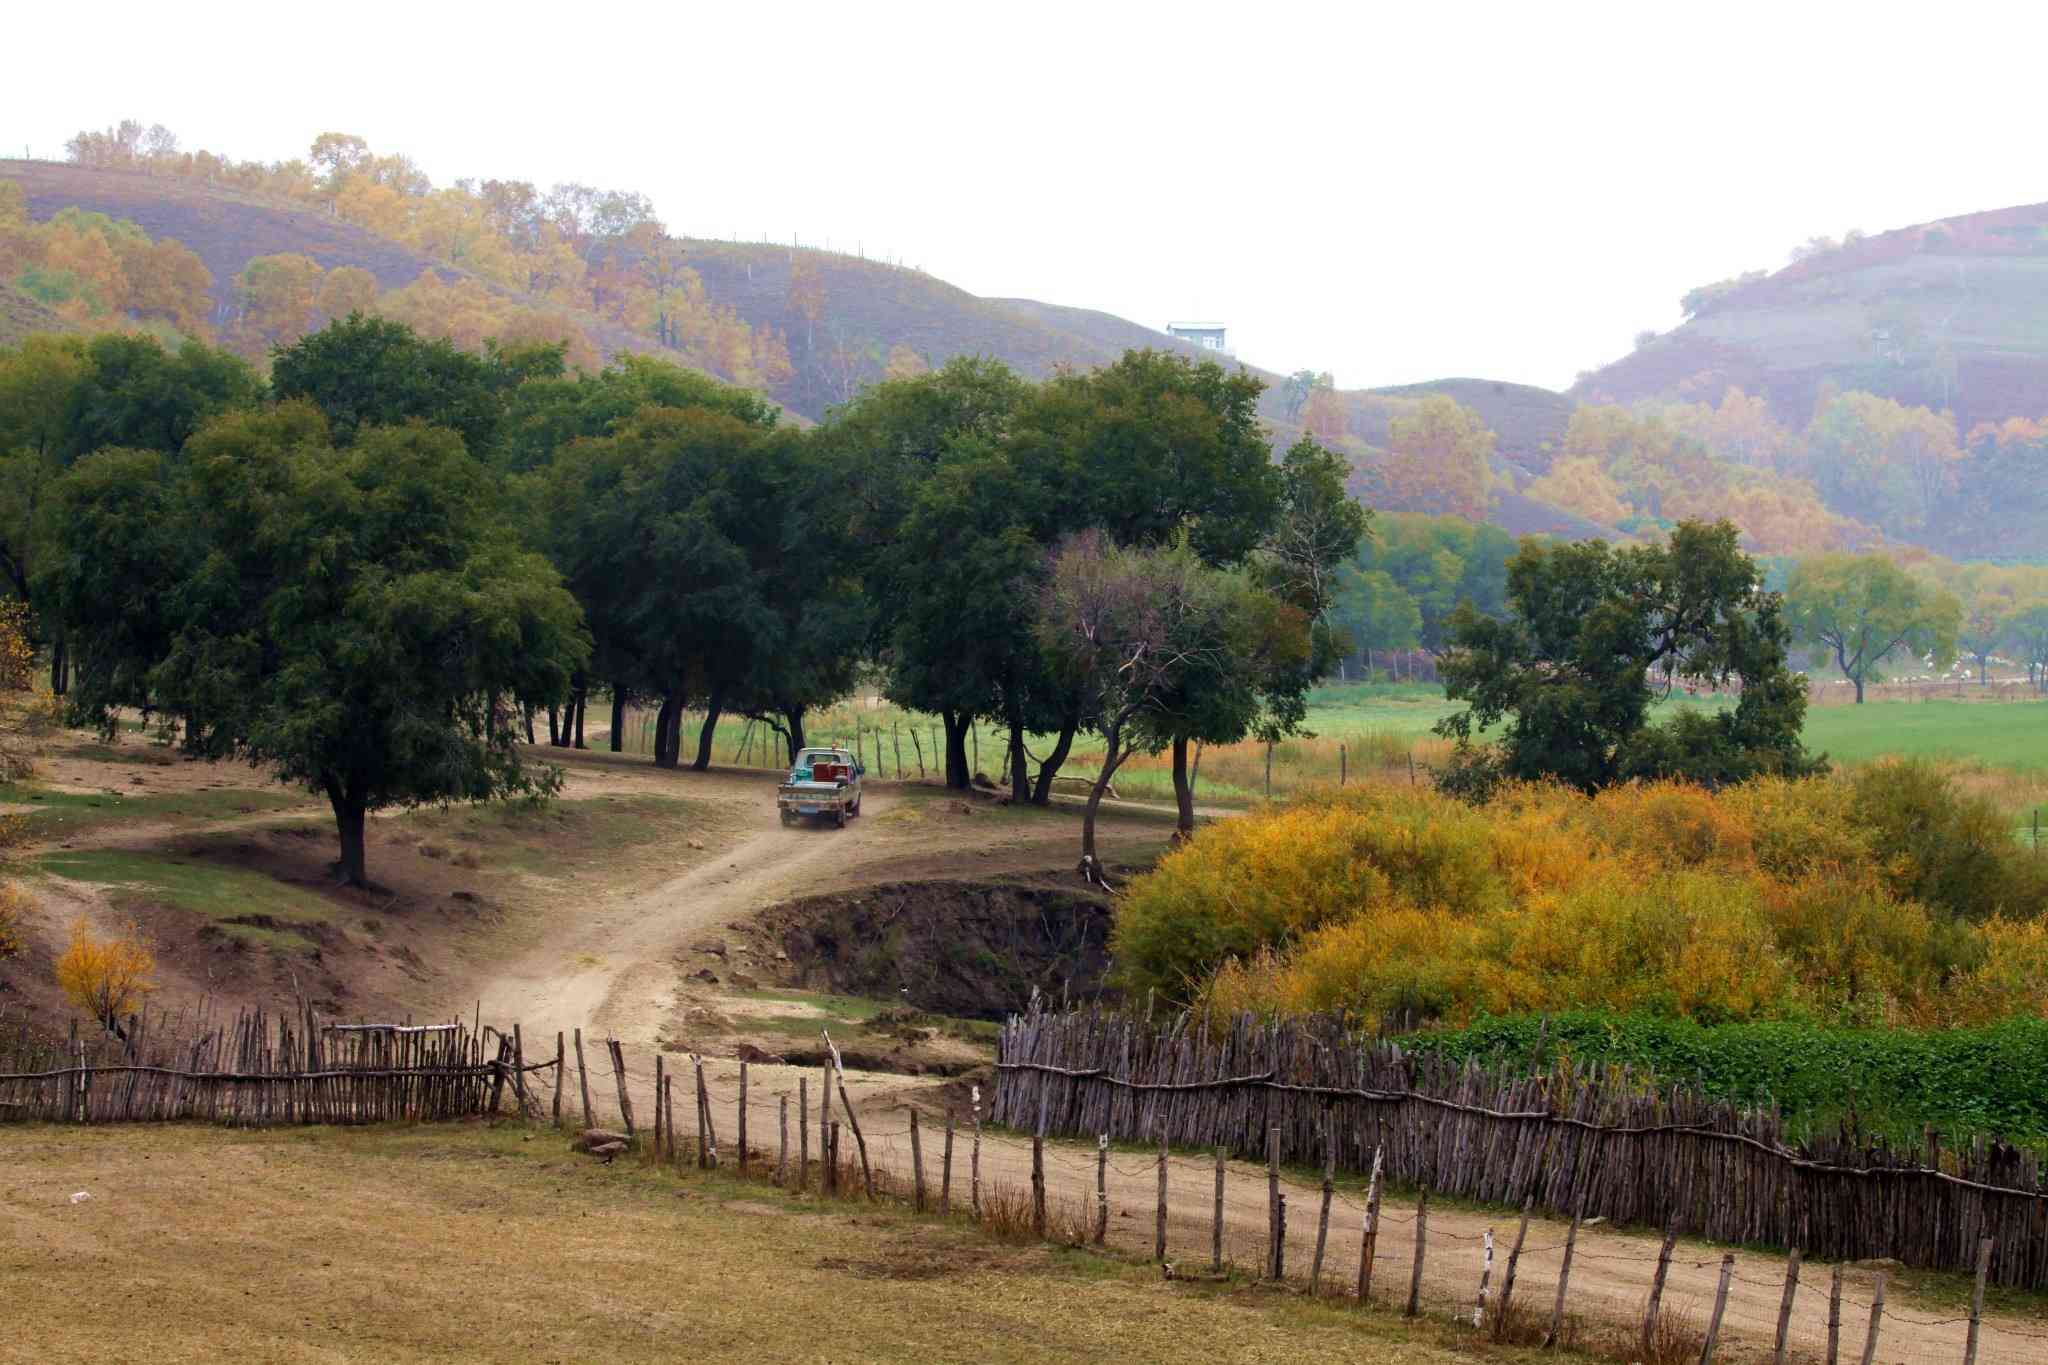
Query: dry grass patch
[[439, 1243]]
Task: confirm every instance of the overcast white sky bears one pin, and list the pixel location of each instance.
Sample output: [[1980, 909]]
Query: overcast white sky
[[1389, 192]]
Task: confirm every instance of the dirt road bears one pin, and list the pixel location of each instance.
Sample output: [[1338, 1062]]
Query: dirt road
[[611, 969]]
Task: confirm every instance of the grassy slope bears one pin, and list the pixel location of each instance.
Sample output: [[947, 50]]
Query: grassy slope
[[1976, 285], [440, 1243]]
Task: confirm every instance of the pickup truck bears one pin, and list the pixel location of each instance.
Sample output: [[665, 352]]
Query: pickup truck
[[823, 782]]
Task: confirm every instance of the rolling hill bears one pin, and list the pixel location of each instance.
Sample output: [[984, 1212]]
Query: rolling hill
[[1951, 314]]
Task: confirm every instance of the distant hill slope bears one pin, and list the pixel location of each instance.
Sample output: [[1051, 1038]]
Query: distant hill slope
[[1951, 314], [1528, 421], [227, 230]]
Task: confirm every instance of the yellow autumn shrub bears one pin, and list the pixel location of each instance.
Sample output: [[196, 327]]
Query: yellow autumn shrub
[[107, 977], [1762, 901]]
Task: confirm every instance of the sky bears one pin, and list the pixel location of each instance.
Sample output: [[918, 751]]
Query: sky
[[1387, 192]]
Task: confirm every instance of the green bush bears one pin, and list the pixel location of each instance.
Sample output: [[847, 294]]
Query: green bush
[[1946, 848], [1964, 1082]]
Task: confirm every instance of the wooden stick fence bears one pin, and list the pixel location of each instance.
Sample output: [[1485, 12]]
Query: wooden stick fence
[[261, 1069], [1573, 1141]]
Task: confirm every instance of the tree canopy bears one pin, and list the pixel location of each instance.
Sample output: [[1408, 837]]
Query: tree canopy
[[1593, 634]]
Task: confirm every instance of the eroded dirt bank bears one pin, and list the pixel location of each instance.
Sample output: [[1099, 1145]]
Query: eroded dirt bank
[[969, 949]]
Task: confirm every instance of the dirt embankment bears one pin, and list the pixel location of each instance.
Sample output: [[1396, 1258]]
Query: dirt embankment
[[969, 949]]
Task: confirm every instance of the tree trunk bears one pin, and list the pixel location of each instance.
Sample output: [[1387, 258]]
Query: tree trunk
[[1041, 793], [1112, 758], [1183, 791], [60, 667], [1859, 689], [709, 732], [1020, 781], [956, 723], [348, 821], [554, 725], [618, 719], [579, 702], [529, 725], [667, 723]]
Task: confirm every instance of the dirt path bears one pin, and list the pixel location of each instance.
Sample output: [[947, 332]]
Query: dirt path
[[611, 967]]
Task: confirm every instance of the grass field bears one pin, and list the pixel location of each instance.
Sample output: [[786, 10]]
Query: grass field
[[1379, 727], [413, 1244]]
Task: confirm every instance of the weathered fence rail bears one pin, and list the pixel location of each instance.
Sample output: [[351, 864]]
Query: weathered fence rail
[[261, 1069], [1571, 1140]]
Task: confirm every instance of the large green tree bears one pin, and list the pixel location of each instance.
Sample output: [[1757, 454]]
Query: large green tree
[[349, 620], [1143, 631], [1862, 611], [366, 371], [928, 539], [1593, 635]]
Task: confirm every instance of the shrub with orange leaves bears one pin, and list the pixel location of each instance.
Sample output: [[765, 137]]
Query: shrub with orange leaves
[[106, 977], [1769, 900]]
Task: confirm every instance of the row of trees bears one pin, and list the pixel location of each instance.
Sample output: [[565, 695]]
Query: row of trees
[[1865, 468], [370, 573]]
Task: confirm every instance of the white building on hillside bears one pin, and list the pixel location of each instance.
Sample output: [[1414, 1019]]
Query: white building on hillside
[[1207, 335]]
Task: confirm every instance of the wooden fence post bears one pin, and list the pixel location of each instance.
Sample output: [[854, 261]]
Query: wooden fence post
[[1273, 1202], [558, 1078], [825, 1112], [619, 1075], [1159, 1236], [1876, 1320], [583, 1080], [1720, 1307], [916, 1162], [519, 1071], [974, 1161], [1315, 1274], [667, 1101], [1485, 1278], [1507, 1284], [704, 1108], [1280, 1240], [1101, 1188], [660, 1075], [1421, 1244], [1657, 1283], [782, 1146], [832, 1159], [1835, 1316], [803, 1132], [1369, 1231], [1977, 1300], [1564, 1274], [1785, 1306], [1038, 1185], [1215, 1228], [743, 1119], [946, 1170], [867, 1174]]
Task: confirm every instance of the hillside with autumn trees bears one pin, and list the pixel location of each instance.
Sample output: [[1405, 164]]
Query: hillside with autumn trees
[[1878, 392]]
